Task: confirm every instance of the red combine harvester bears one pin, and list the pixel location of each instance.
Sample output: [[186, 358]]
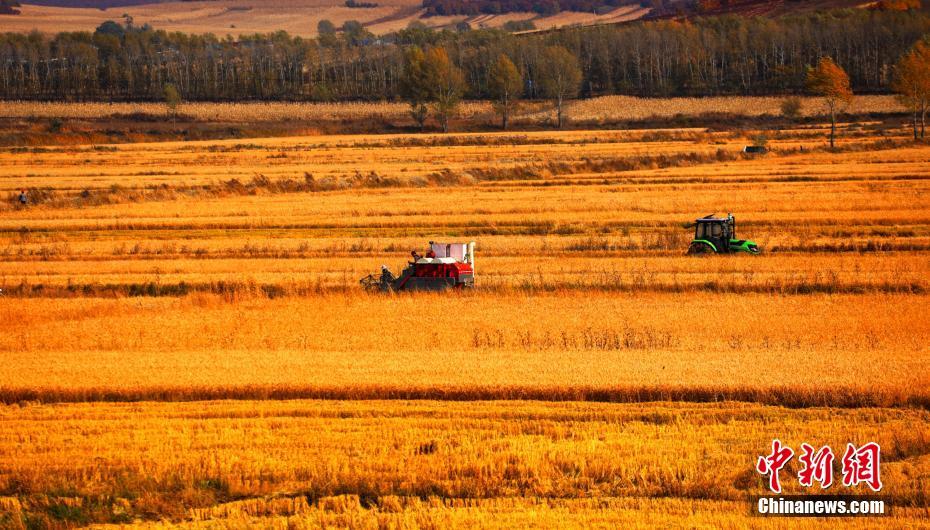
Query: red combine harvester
[[445, 266]]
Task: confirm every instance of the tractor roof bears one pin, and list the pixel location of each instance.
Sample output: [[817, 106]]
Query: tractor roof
[[711, 219]]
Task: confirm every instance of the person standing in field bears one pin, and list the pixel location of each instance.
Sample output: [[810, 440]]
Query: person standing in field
[[22, 198]]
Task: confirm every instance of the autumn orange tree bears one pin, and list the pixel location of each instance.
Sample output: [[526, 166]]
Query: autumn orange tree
[[505, 85], [912, 83], [415, 85], [897, 5], [830, 81], [446, 85]]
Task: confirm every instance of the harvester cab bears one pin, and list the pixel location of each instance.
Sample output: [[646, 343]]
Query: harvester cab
[[445, 266], [717, 235]]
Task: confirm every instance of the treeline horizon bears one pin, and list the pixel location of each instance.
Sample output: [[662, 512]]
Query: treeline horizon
[[726, 55]]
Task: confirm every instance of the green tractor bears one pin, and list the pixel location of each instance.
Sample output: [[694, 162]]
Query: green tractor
[[717, 235]]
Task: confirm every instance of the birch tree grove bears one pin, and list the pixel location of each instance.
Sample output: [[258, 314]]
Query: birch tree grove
[[706, 56], [912, 83]]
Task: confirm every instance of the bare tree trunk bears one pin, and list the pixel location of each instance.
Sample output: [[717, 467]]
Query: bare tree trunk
[[923, 121], [915, 124], [832, 126], [559, 110], [505, 112], [418, 112], [444, 121]]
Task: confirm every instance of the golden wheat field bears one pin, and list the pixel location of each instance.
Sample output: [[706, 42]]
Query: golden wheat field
[[185, 342], [604, 108]]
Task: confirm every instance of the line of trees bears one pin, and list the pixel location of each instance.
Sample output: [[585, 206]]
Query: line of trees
[[432, 82], [911, 82], [708, 56], [432, 79]]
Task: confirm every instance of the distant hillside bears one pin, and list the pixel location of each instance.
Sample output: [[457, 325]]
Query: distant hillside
[[92, 4], [658, 8], [297, 17], [300, 17], [542, 7]]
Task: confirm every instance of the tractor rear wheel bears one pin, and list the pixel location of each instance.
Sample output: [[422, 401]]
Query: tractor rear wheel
[[699, 249]]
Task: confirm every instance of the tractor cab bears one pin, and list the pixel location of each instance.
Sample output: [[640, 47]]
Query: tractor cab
[[717, 235]]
